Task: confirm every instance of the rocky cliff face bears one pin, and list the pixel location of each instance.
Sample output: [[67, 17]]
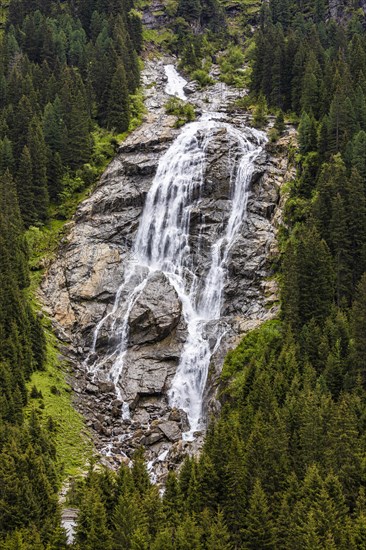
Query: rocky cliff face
[[343, 10], [80, 286]]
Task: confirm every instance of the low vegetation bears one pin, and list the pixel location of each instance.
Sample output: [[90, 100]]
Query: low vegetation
[[183, 110]]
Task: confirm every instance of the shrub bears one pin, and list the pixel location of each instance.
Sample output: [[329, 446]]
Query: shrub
[[202, 77], [35, 394], [182, 110], [273, 135]]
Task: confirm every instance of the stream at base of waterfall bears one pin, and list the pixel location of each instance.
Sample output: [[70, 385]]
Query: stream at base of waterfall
[[162, 245]]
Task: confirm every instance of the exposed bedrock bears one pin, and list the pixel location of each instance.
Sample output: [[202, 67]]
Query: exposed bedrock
[[80, 286]]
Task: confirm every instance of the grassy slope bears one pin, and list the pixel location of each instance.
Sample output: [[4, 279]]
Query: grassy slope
[[73, 443], [74, 446]]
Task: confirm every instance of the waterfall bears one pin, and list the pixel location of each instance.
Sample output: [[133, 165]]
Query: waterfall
[[163, 244], [175, 82]]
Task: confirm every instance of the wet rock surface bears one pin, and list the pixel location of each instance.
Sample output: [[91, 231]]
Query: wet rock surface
[[80, 286]]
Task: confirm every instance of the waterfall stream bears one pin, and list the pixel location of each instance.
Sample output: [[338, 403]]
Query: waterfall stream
[[163, 244], [175, 83]]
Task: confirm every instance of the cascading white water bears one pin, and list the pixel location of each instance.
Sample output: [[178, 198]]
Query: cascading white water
[[163, 244], [175, 82]]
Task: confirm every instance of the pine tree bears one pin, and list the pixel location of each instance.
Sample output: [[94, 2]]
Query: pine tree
[[25, 189], [340, 246], [341, 120], [91, 531], [24, 114], [127, 54], [308, 279], [6, 155], [118, 116], [189, 10], [38, 155], [135, 29], [172, 503], [164, 540], [77, 120], [359, 154], [310, 96], [260, 113], [258, 533], [188, 535], [54, 127], [55, 172], [140, 540], [356, 219], [219, 536], [307, 133], [280, 123], [358, 324], [127, 518]]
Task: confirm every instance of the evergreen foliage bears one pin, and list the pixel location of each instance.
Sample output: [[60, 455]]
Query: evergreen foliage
[[63, 70], [283, 467], [60, 67]]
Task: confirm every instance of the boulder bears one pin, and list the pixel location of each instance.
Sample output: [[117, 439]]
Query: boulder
[[80, 285], [153, 438], [108, 387], [156, 312], [171, 430], [191, 87]]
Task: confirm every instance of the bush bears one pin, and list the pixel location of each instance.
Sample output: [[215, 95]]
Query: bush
[[35, 394], [231, 66], [260, 112], [273, 135], [202, 77], [182, 110]]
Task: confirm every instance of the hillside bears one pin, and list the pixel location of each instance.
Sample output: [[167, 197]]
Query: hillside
[[183, 297]]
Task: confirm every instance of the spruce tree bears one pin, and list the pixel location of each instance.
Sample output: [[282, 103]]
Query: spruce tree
[[358, 324], [219, 536], [38, 155], [340, 247], [356, 220], [190, 10], [258, 533], [260, 112], [25, 188], [6, 156], [92, 532], [118, 116], [307, 133]]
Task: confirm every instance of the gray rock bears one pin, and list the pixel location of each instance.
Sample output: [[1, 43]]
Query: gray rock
[[106, 387], [156, 312], [171, 430], [191, 87], [80, 286], [152, 438]]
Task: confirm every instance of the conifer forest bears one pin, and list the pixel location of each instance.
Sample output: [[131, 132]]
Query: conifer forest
[[183, 274]]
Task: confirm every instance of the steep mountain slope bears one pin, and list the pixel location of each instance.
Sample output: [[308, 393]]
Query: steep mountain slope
[[124, 380]]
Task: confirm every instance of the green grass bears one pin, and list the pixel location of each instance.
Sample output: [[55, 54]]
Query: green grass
[[158, 38], [184, 111], [73, 444]]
